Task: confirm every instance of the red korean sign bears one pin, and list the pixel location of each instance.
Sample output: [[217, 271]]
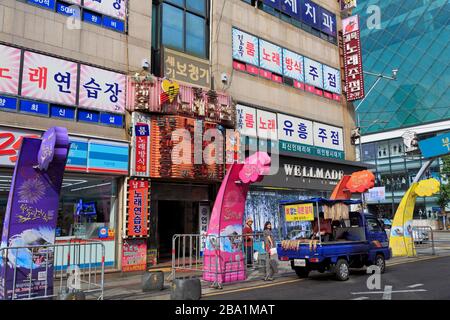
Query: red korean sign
[[137, 208], [9, 69], [134, 255], [354, 77]]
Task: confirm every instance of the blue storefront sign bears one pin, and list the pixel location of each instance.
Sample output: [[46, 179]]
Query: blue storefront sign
[[88, 116], [35, 107], [115, 24], [49, 4], [436, 146], [91, 17], [62, 112], [7, 103], [112, 119], [311, 14], [78, 154]]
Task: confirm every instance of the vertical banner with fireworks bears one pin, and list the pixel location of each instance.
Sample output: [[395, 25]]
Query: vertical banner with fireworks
[[31, 216]]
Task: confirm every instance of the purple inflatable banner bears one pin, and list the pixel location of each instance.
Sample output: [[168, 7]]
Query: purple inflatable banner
[[31, 216]]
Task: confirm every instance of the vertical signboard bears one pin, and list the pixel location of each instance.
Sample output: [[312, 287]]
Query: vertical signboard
[[137, 208], [49, 79], [354, 78], [102, 89], [140, 154], [245, 47], [9, 69], [348, 4], [203, 222]]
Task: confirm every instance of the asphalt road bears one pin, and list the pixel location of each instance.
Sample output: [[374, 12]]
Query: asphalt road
[[423, 280]]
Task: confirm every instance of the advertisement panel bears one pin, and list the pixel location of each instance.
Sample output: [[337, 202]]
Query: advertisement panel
[[354, 77], [137, 208], [299, 212], [313, 73], [134, 255], [293, 65], [348, 4], [49, 79], [113, 8], [102, 89], [295, 129], [270, 56], [328, 136], [331, 79], [9, 69], [267, 125], [245, 47], [246, 120], [376, 194]]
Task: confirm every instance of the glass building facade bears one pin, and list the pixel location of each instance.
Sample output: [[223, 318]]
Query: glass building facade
[[413, 36]]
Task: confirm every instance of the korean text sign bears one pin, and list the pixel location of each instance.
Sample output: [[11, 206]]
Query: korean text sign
[[49, 79], [9, 69], [137, 208], [327, 136], [299, 212], [182, 67], [245, 47], [113, 8], [102, 89], [134, 255], [354, 77]]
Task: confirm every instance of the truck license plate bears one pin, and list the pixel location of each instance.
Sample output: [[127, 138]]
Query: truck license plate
[[300, 262]]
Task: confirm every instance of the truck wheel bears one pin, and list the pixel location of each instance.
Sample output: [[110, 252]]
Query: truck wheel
[[342, 270], [380, 262], [302, 272]]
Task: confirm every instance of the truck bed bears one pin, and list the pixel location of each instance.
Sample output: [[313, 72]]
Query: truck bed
[[325, 249]]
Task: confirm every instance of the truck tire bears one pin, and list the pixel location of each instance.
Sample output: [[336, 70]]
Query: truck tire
[[380, 262], [341, 270], [301, 272]]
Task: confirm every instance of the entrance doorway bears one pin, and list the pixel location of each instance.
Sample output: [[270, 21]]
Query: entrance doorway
[[171, 220]]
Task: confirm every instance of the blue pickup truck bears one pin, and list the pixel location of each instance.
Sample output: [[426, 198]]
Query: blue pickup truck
[[346, 240]]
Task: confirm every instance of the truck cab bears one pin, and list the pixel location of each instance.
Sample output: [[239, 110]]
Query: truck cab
[[355, 240]]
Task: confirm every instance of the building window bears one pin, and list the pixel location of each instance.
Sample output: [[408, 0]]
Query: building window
[[185, 26]]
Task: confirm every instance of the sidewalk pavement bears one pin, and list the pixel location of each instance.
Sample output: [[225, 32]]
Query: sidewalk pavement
[[127, 286]]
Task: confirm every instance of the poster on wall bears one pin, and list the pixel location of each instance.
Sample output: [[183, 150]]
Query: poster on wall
[[9, 69], [102, 90], [49, 79], [138, 207], [113, 8], [245, 47], [134, 255]]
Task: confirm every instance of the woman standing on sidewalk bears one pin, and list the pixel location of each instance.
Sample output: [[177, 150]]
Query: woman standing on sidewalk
[[269, 243]]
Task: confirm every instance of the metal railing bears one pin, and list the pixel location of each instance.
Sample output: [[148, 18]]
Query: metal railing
[[423, 239], [189, 260], [52, 271]]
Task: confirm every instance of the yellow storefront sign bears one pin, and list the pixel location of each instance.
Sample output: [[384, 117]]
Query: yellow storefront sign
[[299, 212]]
